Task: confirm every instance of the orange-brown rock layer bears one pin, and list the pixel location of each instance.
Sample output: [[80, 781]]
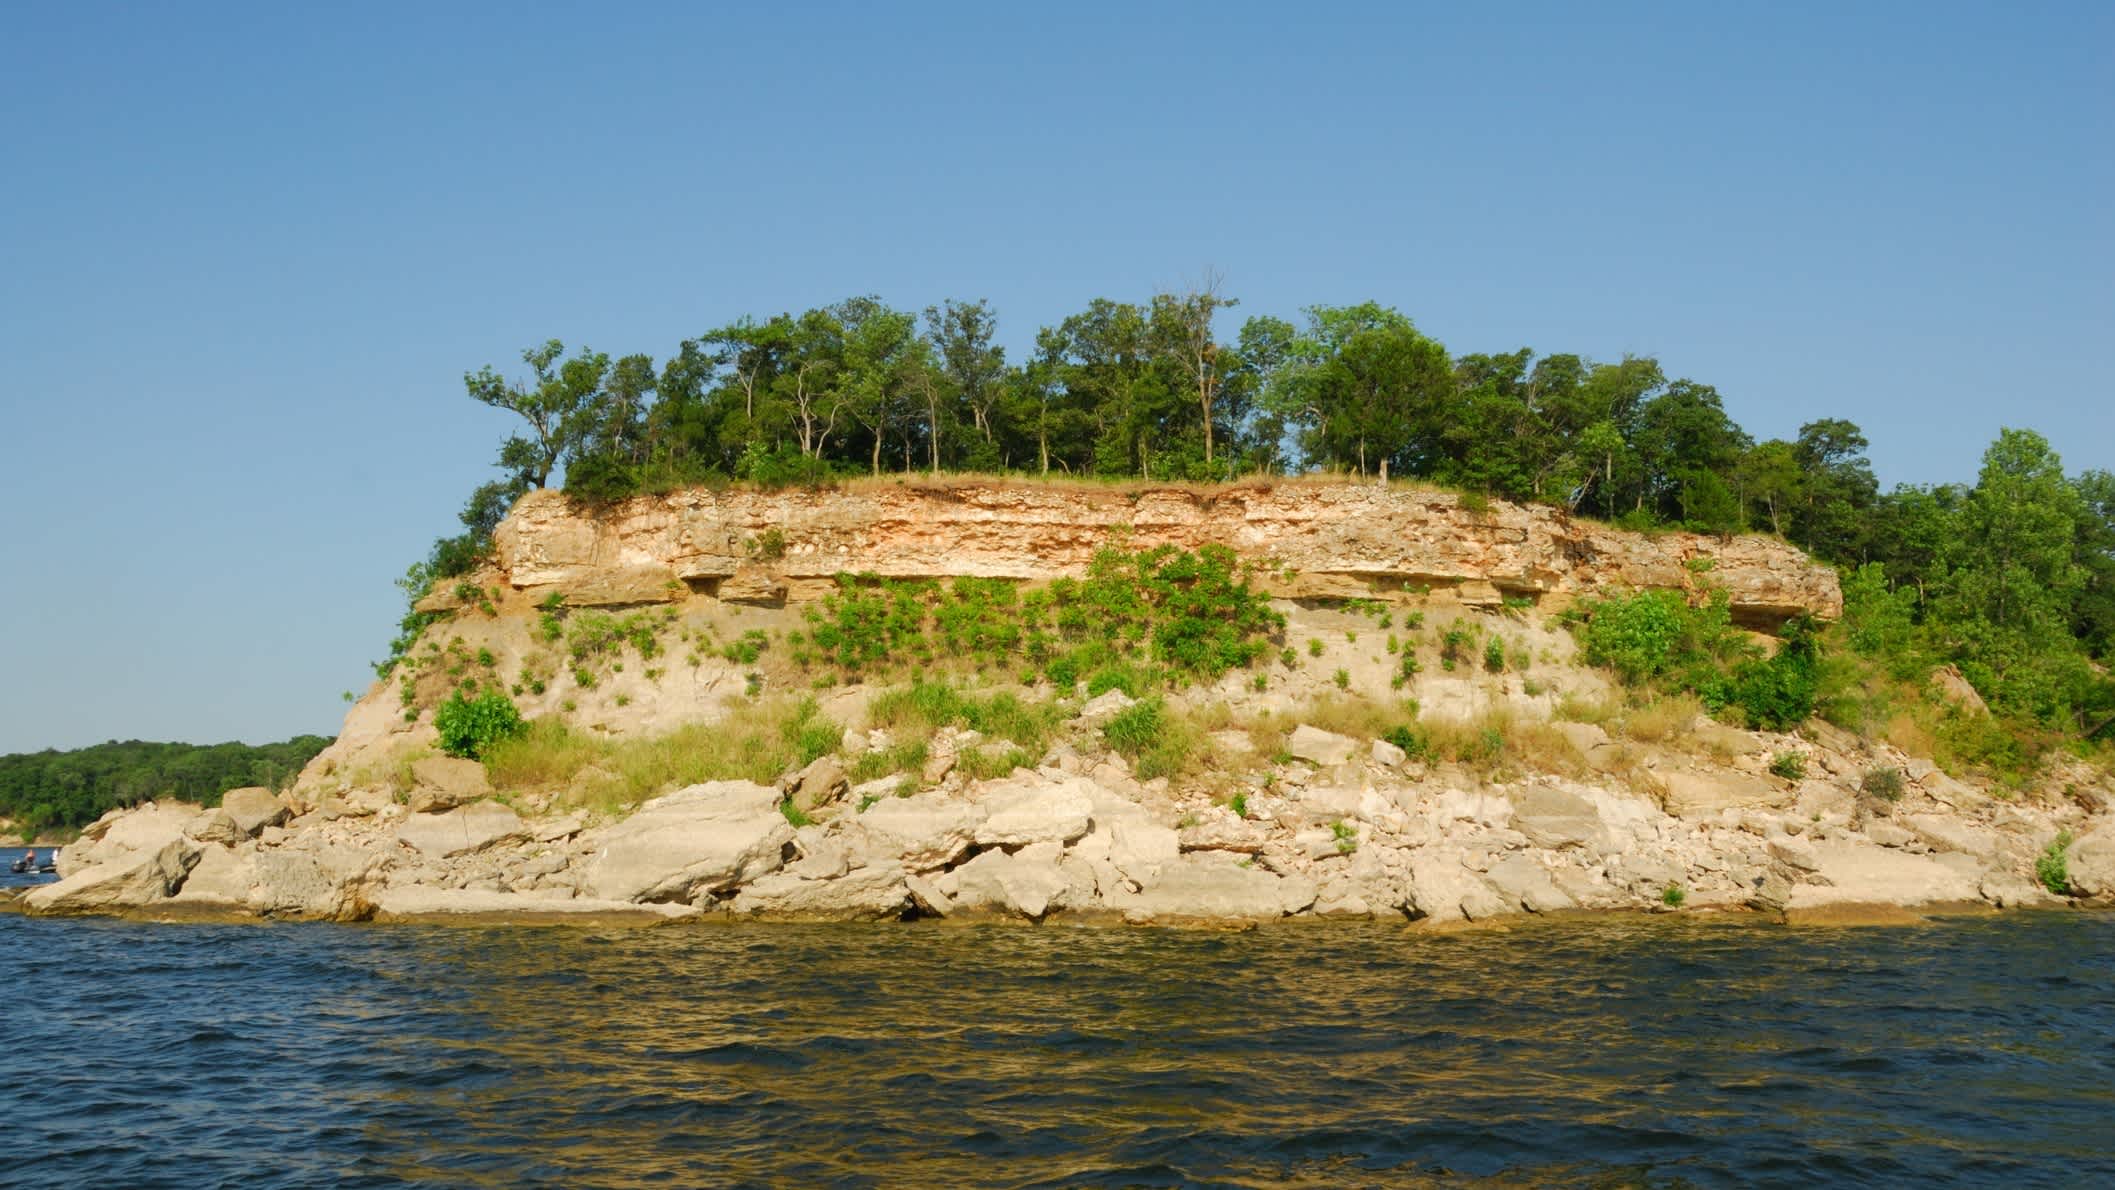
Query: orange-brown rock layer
[[1312, 539]]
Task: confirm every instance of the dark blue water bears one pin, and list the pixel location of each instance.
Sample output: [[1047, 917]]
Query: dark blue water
[[1605, 1052]]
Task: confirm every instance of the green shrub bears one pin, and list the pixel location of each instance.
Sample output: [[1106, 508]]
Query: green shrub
[[1238, 804], [1342, 678], [1347, 836], [1790, 765], [1884, 783], [1314, 646], [2053, 867], [795, 817], [1453, 645], [1655, 639], [1673, 896], [1156, 744], [1148, 614], [1494, 656], [1412, 741], [468, 726]]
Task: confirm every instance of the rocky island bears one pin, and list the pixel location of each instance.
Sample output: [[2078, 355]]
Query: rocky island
[[1415, 731]]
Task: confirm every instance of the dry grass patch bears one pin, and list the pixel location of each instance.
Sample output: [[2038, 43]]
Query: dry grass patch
[[755, 742], [1355, 716], [1661, 719]]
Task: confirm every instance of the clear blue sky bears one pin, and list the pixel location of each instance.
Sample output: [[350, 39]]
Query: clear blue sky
[[248, 251]]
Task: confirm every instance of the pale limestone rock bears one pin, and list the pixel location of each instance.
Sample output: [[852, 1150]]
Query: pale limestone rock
[[1018, 813], [926, 895], [441, 905], [253, 808], [1324, 749], [815, 786], [440, 782], [565, 826], [1212, 887], [1695, 795], [1557, 818], [1946, 833], [1222, 834], [128, 880], [2015, 892], [324, 883], [926, 832], [877, 893], [463, 830], [1027, 883], [1796, 854], [215, 826], [2090, 863], [1887, 834], [1328, 803], [1519, 879], [1443, 890], [705, 838], [1860, 873], [1462, 805], [1387, 755], [124, 836], [1106, 705], [822, 856], [222, 878], [1316, 844], [1954, 688]]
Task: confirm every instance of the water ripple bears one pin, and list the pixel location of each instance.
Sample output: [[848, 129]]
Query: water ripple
[[1653, 1052]]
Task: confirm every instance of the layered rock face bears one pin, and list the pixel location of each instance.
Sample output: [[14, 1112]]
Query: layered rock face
[[1311, 539]]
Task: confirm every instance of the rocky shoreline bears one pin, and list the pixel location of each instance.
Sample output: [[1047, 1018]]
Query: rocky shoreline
[[1344, 828]]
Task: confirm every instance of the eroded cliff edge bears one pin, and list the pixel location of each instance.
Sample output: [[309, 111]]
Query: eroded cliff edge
[[1312, 540]]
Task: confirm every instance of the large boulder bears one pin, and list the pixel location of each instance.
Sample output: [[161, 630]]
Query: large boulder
[[252, 808], [926, 832], [124, 837], [1325, 749], [222, 878], [443, 782], [1557, 818], [326, 883], [1208, 887], [1944, 832], [2090, 863], [1443, 890], [703, 839], [877, 893], [130, 880], [1523, 882], [1022, 812], [817, 785], [1859, 873], [1128, 850], [462, 830], [1028, 883]]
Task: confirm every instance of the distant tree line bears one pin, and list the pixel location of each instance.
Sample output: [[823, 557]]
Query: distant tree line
[[2019, 564], [54, 789]]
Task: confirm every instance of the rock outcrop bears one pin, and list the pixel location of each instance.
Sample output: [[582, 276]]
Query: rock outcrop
[[1330, 539]]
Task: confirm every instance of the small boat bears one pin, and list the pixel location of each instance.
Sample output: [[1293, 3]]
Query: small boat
[[27, 864]]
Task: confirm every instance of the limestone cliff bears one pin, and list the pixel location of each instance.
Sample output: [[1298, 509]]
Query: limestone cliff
[[1314, 540]]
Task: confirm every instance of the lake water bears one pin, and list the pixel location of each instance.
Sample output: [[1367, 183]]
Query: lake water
[[1595, 1052]]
